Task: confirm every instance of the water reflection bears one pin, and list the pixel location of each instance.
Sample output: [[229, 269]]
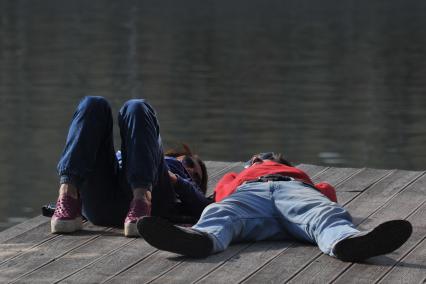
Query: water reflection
[[330, 82]]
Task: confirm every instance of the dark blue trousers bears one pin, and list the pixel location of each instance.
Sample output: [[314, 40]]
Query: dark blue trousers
[[89, 161]]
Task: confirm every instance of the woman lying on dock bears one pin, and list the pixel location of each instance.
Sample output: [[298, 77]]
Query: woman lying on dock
[[272, 200], [112, 189]]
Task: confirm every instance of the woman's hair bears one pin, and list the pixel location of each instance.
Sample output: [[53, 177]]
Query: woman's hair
[[186, 151]]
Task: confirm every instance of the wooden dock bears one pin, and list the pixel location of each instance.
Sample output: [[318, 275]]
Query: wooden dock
[[29, 253]]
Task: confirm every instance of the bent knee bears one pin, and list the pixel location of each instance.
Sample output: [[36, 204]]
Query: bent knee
[[91, 103], [137, 108]]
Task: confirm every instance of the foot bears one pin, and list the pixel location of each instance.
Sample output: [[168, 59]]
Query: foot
[[67, 215], [138, 209], [163, 235], [383, 239]]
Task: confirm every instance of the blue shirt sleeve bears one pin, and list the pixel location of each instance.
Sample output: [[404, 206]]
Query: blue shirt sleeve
[[186, 190], [190, 195]]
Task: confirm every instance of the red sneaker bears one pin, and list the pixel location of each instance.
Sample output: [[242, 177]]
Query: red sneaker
[[67, 216], [138, 209]]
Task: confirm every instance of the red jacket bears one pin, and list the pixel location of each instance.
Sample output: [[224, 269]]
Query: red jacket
[[229, 182]]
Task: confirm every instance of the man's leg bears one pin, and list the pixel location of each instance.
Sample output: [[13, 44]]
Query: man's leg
[[88, 169], [144, 167], [310, 216], [247, 215], [163, 235]]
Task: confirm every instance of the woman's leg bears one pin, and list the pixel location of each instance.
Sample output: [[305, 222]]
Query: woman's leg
[[144, 167], [88, 164]]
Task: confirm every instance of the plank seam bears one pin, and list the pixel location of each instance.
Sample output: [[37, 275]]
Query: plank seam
[[378, 209], [383, 275], [371, 186], [95, 260], [129, 266], [29, 222], [408, 252], [54, 259], [342, 181], [315, 257], [23, 233], [221, 264], [320, 172], [28, 249], [167, 270], [291, 244], [404, 188], [49, 238]]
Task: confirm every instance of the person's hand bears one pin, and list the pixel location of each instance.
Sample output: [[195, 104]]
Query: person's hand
[[173, 177]]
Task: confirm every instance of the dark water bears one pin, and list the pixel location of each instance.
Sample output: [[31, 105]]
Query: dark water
[[338, 83]]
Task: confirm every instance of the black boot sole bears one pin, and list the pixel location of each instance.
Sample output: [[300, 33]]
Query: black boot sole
[[163, 235], [383, 239]]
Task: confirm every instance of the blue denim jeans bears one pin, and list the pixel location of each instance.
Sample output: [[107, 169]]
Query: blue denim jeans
[[89, 161], [281, 210]]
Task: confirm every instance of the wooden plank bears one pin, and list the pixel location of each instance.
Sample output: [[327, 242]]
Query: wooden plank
[[112, 262], [359, 183], [187, 272], [401, 206], [219, 168], [292, 260], [147, 269], [326, 268], [412, 269], [211, 165], [385, 190], [311, 170], [337, 176], [194, 269], [80, 257], [23, 242], [108, 256], [216, 172], [22, 228], [45, 253]]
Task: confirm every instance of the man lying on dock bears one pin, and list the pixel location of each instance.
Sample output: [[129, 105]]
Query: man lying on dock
[[272, 200]]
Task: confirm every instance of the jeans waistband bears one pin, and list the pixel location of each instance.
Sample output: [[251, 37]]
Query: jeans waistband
[[271, 177]]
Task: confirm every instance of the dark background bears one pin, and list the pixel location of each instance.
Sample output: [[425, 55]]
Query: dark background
[[339, 83]]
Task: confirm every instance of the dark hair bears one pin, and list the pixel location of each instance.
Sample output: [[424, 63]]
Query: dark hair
[[279, 158], [276, 157], [186, 151]]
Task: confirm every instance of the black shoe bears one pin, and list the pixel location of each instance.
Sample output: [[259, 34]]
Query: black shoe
[[163, 235], [383, 239]]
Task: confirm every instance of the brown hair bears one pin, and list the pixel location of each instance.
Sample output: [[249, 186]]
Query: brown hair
[[279, 158], [186, 151]]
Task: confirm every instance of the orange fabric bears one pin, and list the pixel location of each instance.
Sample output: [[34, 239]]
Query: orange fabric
[[230, 181]]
